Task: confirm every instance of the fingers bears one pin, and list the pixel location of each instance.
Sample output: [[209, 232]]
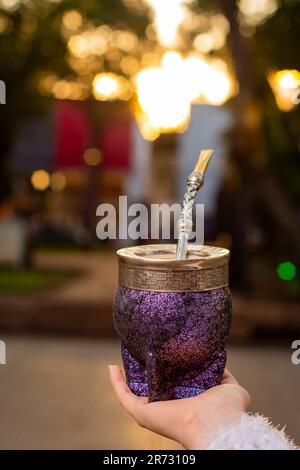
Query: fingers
[[132, 404], [228, 378], [117, 380]]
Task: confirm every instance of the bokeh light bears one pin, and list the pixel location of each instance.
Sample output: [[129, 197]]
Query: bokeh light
[[159, 97], [165, 84], [129, 65], [109, 86], [68, 90], [92, 157], [94, 41], [165, 93], [72, 20], [168, 15], [58, 181], [10, 5], [286, 271], [124, 40], [40, 180], [285, 84], [255, 12], [215, 38]]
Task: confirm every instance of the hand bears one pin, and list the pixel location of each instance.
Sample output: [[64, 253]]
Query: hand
[[190, 421]]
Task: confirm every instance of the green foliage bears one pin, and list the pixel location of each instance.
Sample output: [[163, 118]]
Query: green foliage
[[275, 44], [277, 40], [34, 42], [25, 281]]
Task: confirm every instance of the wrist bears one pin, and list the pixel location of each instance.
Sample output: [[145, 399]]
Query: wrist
[[221, 413], [202, 433]]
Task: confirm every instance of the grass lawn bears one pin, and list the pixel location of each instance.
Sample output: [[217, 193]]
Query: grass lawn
[[17, 281]]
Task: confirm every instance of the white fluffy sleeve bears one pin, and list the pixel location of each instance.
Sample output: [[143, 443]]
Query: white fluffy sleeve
[[254, 432]]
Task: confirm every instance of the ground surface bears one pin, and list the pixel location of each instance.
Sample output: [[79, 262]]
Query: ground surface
[[82, 304], [55, 394]]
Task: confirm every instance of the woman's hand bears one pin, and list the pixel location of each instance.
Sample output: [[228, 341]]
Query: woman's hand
[[190, 421]]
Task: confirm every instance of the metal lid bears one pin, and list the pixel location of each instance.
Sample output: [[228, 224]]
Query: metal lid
[[155, 268]]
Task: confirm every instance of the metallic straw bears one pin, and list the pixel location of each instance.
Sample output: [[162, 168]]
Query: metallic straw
[[194, 182]]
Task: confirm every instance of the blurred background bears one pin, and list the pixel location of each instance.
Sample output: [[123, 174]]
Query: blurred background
[[116, 97]]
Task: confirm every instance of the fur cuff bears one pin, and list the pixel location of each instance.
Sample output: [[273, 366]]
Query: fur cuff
[[254, 432]]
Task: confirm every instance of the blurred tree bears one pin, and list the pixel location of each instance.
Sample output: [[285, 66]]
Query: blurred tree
[[31, 43], [265, 142], [253, 151], [275, 46]]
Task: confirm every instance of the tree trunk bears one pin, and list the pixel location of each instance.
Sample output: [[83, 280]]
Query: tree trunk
[[248, 143]]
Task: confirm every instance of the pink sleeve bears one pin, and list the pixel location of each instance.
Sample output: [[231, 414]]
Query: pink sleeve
[[254, 432]]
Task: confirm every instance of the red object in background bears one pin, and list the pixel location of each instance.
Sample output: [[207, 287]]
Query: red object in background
[[115, 144], [73, 134], [74, 137]]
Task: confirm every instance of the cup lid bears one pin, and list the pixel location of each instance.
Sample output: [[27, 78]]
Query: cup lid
[[164, 256], [155, 268]]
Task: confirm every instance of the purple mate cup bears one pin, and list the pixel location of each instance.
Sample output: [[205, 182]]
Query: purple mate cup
[[173, 318]]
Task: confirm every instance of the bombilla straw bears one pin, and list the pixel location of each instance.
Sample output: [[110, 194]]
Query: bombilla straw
[[194, 182]]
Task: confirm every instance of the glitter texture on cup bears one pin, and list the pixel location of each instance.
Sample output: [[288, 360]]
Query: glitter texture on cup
[[172, 342]]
